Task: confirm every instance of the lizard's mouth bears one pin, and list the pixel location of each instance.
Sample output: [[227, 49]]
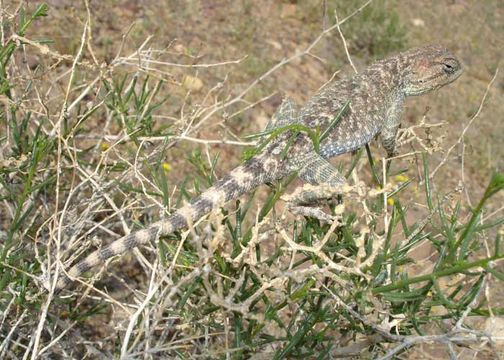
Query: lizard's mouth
[[434, 82], [432, 74]]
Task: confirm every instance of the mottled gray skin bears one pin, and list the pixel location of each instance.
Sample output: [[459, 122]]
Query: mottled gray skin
[[375, 98]]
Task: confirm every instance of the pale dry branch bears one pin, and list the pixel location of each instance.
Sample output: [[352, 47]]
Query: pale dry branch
[[125, 138], [57, 224], [456, 336], [345, 46], [45, 50], [145, 58], [323, 256], [408, 135], [462, 135]]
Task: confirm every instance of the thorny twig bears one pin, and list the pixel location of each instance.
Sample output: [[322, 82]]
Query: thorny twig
[[457, 335], [462, 135]]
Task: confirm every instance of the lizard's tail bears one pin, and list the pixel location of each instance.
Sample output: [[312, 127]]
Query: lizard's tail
[[258, 170]]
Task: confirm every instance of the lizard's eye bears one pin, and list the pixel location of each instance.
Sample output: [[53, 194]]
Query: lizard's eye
[[449, 67]]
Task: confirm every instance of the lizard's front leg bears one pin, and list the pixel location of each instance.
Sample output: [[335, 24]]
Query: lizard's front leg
[[323, 182], [388, 140], [390, 127]]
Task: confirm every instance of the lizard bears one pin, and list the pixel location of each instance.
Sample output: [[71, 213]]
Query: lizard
[[375, 99]]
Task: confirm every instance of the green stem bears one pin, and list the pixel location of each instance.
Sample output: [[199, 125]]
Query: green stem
[[435, 275]]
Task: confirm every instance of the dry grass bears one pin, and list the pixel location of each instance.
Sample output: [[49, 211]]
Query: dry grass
[[131, 110]]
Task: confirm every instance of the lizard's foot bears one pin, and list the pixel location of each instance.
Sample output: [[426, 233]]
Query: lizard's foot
[[323, 182], [300, 201], [312, 212], [312, 194]]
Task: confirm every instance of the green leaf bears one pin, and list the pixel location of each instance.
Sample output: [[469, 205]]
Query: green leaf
[[335, 121]]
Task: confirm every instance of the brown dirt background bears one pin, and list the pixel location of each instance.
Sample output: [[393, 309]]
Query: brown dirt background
[[268, 31]]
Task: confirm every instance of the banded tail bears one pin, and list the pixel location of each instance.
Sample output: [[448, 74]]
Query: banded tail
[[256, 171]]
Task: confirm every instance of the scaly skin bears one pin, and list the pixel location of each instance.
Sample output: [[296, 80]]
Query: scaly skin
[[375, 99]]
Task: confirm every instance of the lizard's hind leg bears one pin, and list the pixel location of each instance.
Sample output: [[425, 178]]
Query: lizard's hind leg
[[323, 182]]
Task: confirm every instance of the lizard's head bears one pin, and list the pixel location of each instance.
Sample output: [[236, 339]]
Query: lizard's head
[[428, 68]]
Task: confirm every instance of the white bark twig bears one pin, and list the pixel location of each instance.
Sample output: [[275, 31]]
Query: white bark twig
[[462, 135]]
